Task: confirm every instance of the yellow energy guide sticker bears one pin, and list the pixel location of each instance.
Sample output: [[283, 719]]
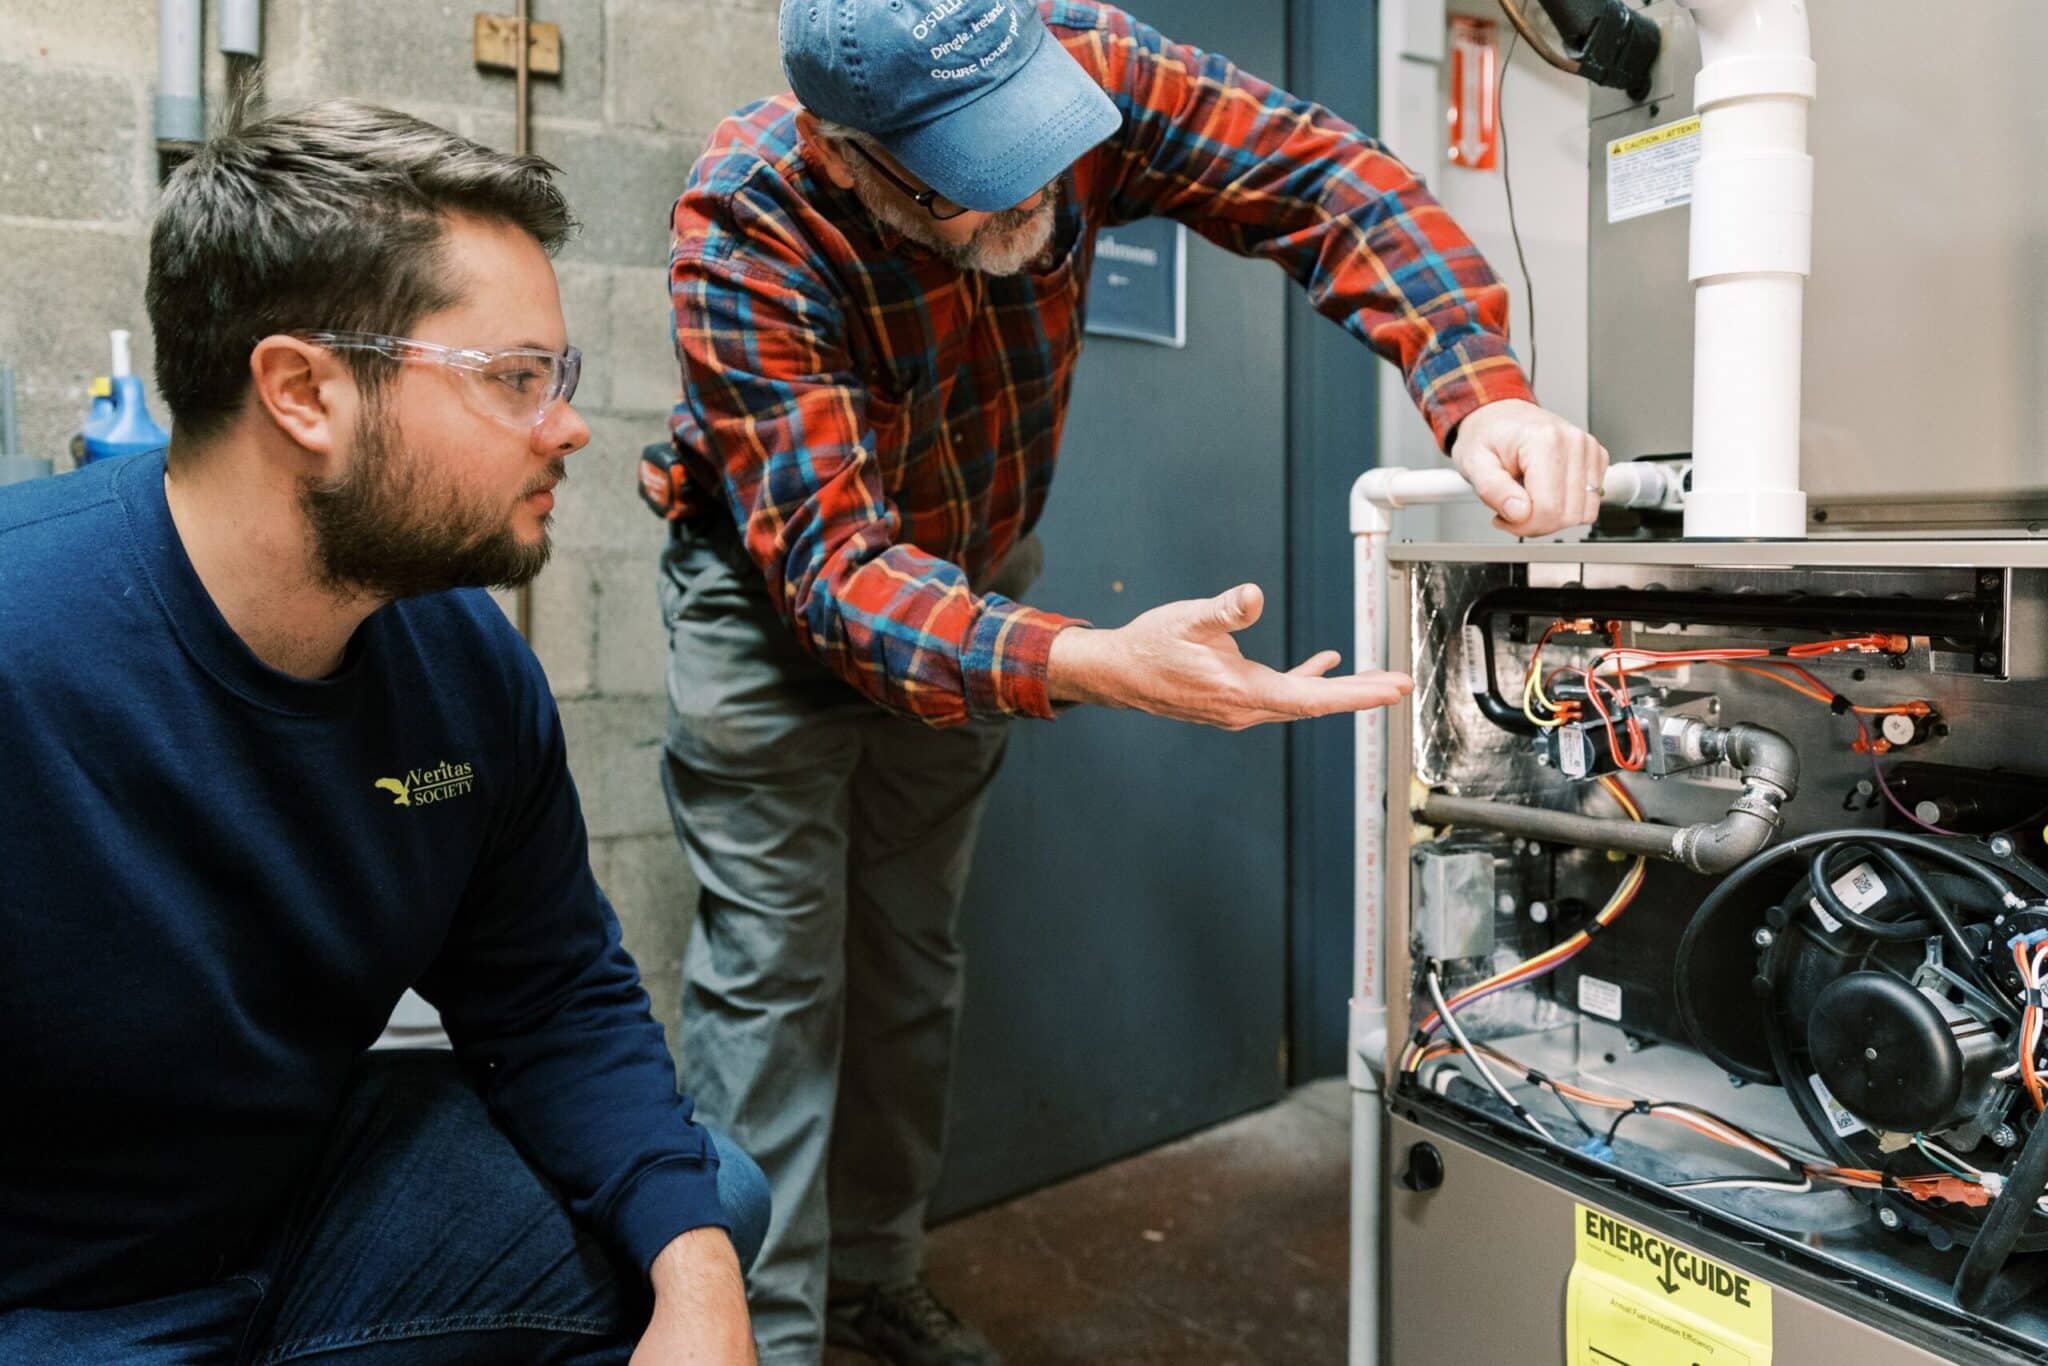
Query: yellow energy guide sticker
[[1637, 1300]]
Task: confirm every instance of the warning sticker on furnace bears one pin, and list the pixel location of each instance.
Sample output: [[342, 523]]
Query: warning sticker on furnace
[[1637, 1300], [1652, 170]]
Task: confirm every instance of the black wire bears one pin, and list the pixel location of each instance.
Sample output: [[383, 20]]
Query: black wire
[[1573, 1111], [1500, 114], [1640, 1108], [1818, 876]]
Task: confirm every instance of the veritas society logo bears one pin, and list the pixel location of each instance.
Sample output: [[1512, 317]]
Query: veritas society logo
[[424, 786]]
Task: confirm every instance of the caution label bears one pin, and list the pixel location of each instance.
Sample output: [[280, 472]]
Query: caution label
[[1638, 1300], [1650, 171]]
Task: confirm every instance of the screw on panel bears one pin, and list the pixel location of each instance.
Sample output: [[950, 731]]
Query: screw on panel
[[1762, 938], [2004, 1136], [2002, 846], [1888, 1217]]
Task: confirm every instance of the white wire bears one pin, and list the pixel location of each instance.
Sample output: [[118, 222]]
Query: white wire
[[1443, 1012], [1939, 1151], [1803, 1186]]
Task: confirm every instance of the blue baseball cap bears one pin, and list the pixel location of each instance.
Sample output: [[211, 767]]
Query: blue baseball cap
[[975, 97]]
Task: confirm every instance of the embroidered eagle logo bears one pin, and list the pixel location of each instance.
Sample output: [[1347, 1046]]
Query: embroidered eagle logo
[[400, 795]]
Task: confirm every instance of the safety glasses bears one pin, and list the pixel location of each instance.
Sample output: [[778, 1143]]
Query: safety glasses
[[931, 201], [519, 386]]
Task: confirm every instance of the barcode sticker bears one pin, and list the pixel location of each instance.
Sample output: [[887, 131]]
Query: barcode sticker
[[1859, 889], [1602, 998], [1475, 660], [1841, 1120]]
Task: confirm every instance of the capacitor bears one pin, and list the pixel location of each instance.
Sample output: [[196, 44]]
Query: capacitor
[[1900, 729]]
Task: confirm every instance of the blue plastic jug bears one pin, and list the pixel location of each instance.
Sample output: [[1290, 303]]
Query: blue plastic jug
[[127, 428]]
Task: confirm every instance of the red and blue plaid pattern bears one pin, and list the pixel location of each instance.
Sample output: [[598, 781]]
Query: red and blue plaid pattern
[[883, 427]]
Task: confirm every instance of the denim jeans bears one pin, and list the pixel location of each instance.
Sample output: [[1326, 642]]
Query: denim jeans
[[421, 1236]]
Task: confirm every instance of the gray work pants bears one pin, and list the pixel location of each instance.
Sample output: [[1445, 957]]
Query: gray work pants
[[822, 984]]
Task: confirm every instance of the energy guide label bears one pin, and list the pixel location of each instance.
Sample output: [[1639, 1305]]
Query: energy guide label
[[1651, 171], [1636, 1300]]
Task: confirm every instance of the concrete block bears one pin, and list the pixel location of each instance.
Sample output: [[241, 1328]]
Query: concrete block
[[586, 309], [565, 623], [620, 185], [383, 49], [285, 71], [68, 144], [646, 376], [685, 64], [508, 602], [599, 508], [63, 288], [115, 35], [632, 641], [121, 35], [615, 747], [650, 885]]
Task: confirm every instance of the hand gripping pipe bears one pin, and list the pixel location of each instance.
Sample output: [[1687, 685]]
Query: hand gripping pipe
[[1752, 249], [1770, 777], [1373, 498]]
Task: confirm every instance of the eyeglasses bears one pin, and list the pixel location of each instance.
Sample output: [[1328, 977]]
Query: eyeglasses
[[931, 201], [518, 386]]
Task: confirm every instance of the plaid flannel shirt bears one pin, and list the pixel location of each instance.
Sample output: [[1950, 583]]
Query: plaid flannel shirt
[[882, 428]]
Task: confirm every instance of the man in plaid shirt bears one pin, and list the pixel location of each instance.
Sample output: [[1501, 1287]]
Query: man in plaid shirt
[[878, 288]]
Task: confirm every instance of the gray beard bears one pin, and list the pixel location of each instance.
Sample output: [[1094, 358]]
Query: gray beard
[[1007, 244]]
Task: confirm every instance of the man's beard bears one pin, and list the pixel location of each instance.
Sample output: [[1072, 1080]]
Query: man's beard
[[381, 530], [1006, 244]]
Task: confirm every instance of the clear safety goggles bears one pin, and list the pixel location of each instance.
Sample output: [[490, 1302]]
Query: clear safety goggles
[[519, 386]]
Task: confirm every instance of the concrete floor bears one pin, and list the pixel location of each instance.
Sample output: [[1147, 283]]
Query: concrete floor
[[1224, 1249]]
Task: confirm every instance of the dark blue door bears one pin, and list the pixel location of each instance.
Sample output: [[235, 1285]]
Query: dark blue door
[[1127, 927]]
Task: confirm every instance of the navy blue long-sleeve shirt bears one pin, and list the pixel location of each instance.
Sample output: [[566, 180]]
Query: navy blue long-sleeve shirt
[[216, 880]]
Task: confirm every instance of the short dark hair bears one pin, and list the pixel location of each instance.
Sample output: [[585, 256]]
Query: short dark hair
[[328, 217]]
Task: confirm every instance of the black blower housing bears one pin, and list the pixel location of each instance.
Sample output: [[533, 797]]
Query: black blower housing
[[1888, 1055]]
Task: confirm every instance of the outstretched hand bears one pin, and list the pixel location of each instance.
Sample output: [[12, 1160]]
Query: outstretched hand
[[1181, 661]]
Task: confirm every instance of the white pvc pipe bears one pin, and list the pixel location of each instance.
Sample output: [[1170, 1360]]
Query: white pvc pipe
[[1374, 497], [179, 112], [241, 28], [1752, 249], [1368, 1035], [1632, 484]]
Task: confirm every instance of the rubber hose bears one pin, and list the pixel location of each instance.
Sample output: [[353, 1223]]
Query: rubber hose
[[2004, 1221]]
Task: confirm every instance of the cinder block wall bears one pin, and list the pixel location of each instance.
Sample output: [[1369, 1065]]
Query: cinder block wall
[[643, 82]]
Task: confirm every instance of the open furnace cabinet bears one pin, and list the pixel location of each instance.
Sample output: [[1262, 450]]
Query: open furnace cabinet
[[1749, 1118]]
